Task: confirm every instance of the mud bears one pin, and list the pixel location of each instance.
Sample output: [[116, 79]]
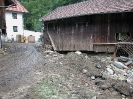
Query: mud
[[28, 71]]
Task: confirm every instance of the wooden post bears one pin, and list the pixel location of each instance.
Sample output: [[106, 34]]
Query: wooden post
[[0, 39], [52, 42]]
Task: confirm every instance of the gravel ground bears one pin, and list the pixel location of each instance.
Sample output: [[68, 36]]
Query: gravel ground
[[17, 69], [27, 71]]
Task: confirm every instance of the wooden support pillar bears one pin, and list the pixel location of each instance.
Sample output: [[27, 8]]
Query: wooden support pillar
[[0, 39]]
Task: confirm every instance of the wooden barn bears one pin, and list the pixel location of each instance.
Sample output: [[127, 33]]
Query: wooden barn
[[93, 25]]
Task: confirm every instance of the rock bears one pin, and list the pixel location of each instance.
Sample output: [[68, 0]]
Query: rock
[[84, 71], [123, 88], [93, 77], [86, 84], [119, 71], [122, 60], [125, 70], [103, 60], [104, 87], [119, 65], [110, 71], [115, 77], [94, 97], [98, 66], [69, 86], [78, 52], [88, 75], [55, 55], [75, 92], [61, 63], [1, 51], [106, 75], [108, 66], [130, 78], [47, 55], [115, 59], [128, 63], [123, 97], [122, 78], [109, 60], [86, 56], [99, 83], [48, 52]]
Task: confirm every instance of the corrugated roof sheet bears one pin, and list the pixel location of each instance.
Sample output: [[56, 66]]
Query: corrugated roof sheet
[[17, 8], [90, 7]]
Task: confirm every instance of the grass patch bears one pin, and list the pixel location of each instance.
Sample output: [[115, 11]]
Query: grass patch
[[48, 89]]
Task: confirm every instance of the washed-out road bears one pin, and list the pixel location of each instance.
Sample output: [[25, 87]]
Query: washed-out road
[[18, 69]]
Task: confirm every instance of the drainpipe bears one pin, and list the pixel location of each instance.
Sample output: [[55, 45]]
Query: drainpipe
[[0, 39]]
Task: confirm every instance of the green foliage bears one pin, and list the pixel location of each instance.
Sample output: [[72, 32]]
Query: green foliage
[[48, 89], [39, 8]]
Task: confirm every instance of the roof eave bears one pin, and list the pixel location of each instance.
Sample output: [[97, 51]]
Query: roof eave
[[88, 14]]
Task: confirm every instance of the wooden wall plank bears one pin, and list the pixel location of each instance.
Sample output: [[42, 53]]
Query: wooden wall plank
[[79, 33]]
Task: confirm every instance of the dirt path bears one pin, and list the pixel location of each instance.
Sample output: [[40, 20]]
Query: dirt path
[[17, 69]]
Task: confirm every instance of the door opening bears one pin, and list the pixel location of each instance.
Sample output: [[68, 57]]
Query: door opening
[[122, 36]]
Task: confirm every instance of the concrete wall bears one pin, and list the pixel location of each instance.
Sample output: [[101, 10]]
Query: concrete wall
[[36, 34]]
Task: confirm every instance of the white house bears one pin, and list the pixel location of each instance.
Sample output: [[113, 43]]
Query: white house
[[14, 20]]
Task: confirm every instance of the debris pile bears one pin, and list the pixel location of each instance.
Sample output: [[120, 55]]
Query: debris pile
[[104, 71], [44, 47], [97, 75], [3, 51], [77, 75], [126, 66]]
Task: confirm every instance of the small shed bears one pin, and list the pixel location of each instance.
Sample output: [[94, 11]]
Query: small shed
[[93, 25]]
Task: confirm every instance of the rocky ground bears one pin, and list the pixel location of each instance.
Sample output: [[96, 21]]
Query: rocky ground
[[29, 71]]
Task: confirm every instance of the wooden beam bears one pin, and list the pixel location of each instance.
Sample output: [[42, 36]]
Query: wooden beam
[[0, 39], [131, 43], [52, 42], [104, 43]]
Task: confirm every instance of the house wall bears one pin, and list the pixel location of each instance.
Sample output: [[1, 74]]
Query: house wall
[[10, 22], [33, 33], [88, 33]]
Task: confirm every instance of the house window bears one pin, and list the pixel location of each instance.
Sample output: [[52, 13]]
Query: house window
[[14, 15], [15, 29]]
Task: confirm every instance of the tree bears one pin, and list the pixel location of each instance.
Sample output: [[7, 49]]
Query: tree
[[39, 8]]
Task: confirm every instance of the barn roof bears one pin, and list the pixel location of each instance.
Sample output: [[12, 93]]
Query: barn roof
[[90, 7], [17, 8]]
